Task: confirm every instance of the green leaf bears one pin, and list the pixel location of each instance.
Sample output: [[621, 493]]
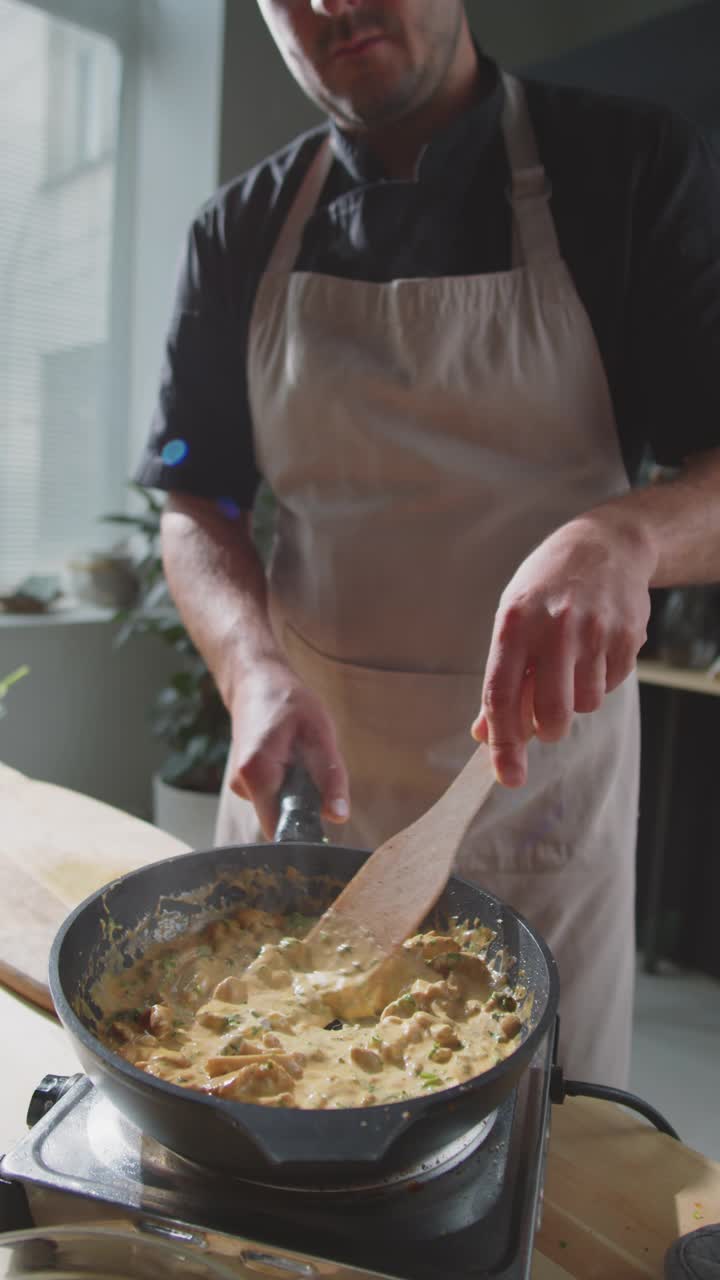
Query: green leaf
[[12, 679]]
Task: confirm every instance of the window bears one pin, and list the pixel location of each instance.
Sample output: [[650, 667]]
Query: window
[[81, 100], [59, 123]]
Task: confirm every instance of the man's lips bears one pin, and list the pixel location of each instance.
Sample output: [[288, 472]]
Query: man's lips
[[358, 46]]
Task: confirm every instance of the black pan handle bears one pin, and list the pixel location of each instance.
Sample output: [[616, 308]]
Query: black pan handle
[[299, 821], [359, 1137]]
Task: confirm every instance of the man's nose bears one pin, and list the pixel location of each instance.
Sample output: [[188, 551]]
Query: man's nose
[[334, 8]]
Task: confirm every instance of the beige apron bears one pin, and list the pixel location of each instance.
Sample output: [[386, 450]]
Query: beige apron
[[422, 437]]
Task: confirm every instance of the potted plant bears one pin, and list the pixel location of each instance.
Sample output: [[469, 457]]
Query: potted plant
[[187, 714]]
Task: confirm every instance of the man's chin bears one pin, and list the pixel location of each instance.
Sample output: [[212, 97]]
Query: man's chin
[[369, 113]]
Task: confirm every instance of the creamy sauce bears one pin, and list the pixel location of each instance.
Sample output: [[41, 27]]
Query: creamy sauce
[[249, 1009]]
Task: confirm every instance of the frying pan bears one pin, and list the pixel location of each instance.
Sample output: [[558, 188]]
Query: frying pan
[[299, 871]]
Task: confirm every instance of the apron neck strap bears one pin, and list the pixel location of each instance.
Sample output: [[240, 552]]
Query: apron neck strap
[[287, 246], [534, 235]]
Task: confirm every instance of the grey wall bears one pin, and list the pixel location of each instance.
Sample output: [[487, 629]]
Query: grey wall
[[673, 60], [80, 718], [526, 31], [261, 105], [262, 108]]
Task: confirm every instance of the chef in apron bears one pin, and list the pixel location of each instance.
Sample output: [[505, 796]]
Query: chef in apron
[[423, 438], [501, 433]]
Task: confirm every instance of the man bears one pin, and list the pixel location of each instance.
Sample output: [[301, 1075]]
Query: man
[[444, 328]]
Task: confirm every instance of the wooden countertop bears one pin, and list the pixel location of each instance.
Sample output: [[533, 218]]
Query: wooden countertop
[[617, 1192], [651, 671]]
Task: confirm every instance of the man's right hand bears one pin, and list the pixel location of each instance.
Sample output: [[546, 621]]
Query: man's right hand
[[275, 720]]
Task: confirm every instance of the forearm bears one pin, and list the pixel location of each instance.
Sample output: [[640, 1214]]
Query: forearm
[[218, 584], [676, 524]]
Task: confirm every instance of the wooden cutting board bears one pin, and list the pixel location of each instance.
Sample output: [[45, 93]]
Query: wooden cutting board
[[56, 848]]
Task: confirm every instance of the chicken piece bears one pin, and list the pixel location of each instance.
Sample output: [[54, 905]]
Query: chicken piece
[[160, 1021], [279, 1021], [171, 1056], [404, 1007], [472, 968], [425, 993], [438, 945], [252, 1083], [446, 1036], [218, 1015], [439, 1054], [396, 1039], [366, 1059], [231, 990], [293, 1063]]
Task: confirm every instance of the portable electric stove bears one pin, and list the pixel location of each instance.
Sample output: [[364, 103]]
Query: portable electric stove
[[468, 1214]]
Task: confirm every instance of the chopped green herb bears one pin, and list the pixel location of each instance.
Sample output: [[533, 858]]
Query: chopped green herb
[[344, 948], [430, 1080], [204, 951]]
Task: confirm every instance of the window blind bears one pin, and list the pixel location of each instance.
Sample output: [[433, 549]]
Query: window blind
[[59, 107]]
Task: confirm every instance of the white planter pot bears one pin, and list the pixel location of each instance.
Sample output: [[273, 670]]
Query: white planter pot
[[189, 815]]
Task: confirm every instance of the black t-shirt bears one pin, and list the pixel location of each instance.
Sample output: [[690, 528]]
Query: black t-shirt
[[636, 202]]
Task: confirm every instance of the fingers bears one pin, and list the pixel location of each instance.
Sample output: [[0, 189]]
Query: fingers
[[259, 781], [260, 770], [480, 729], [504, 719], [319, 750], [590, 683], [555, 692]]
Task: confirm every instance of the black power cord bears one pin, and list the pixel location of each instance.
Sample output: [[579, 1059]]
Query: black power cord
[[560, 1089]]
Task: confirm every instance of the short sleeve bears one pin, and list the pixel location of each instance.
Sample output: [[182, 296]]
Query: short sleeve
[[673, 356], [200, 440]]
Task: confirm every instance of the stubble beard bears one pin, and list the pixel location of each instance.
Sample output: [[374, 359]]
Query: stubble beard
[[410, 93]]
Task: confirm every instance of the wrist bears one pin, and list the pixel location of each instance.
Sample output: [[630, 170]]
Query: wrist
[[626, 533], [248, 655]]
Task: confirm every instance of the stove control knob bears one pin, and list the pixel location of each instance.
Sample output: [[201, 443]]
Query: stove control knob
[[49, 1091]]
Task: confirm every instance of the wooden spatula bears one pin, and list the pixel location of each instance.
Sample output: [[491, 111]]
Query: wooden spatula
[[402, 880]]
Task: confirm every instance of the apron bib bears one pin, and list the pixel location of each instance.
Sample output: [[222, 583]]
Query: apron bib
[[421, 438]]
